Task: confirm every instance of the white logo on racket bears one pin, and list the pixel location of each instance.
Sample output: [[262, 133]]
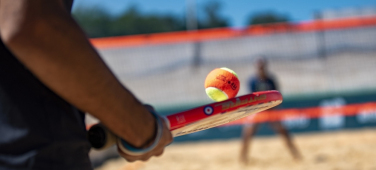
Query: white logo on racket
[[208, 110]]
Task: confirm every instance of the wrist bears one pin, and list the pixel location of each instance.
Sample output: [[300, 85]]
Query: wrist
[[150, 138], [149, 145], [142, 127]]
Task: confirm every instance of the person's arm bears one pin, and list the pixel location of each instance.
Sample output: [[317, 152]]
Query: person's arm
[[47, 40]]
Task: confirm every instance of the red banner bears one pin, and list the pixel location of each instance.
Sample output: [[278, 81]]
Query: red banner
[[314, 112]]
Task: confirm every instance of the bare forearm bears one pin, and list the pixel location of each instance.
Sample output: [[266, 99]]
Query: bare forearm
[[54, 49]]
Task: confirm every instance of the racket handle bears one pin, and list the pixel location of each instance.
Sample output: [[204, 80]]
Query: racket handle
[[100, 137]]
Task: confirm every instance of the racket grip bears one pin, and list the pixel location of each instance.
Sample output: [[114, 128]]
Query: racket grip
[[100, 137]]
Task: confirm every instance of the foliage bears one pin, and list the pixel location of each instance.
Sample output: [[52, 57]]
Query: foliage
[[266, 18], [98, 23], [212, 19]]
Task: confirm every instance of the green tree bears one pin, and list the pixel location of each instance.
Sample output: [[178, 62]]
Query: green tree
[[266, 18], [98, 23], [212, 17], [133, 22], [94, 21]]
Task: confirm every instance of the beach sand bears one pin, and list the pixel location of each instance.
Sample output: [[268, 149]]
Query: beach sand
[[342, 150]]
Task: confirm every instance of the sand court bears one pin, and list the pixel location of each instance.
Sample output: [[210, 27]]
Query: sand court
[[342, 150]]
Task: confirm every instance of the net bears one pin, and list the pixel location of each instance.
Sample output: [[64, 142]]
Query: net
[[331, 56]]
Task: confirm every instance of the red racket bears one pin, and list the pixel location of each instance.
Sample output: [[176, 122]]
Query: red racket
[[203, 117]]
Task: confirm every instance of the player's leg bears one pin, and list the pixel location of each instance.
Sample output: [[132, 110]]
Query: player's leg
[[248, 131], [278, 127]]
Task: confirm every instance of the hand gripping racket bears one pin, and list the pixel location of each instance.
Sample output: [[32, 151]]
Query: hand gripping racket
[[201, 118]]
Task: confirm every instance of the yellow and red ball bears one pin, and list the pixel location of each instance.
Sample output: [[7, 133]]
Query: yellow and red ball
[[222, 84]]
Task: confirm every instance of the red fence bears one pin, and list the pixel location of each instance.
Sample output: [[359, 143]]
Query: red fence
[[222, 33]]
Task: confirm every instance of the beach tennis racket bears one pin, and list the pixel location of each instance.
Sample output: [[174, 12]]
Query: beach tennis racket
[[201, 118]]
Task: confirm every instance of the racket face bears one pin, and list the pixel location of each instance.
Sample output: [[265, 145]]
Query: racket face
[[220, 113]]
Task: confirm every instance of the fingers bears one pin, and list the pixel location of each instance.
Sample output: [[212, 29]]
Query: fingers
[[144, 157], [159, 153], [132, 158]]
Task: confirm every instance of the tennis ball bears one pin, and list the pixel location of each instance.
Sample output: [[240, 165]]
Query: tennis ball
[[222, 84]]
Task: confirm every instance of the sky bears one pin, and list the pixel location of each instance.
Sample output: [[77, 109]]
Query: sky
[[237, 11]]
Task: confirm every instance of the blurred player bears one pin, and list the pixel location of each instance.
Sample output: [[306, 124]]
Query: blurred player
[[261, 82]]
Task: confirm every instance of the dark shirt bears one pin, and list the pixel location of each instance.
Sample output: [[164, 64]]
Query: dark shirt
[[38, 129], [257, 84]]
